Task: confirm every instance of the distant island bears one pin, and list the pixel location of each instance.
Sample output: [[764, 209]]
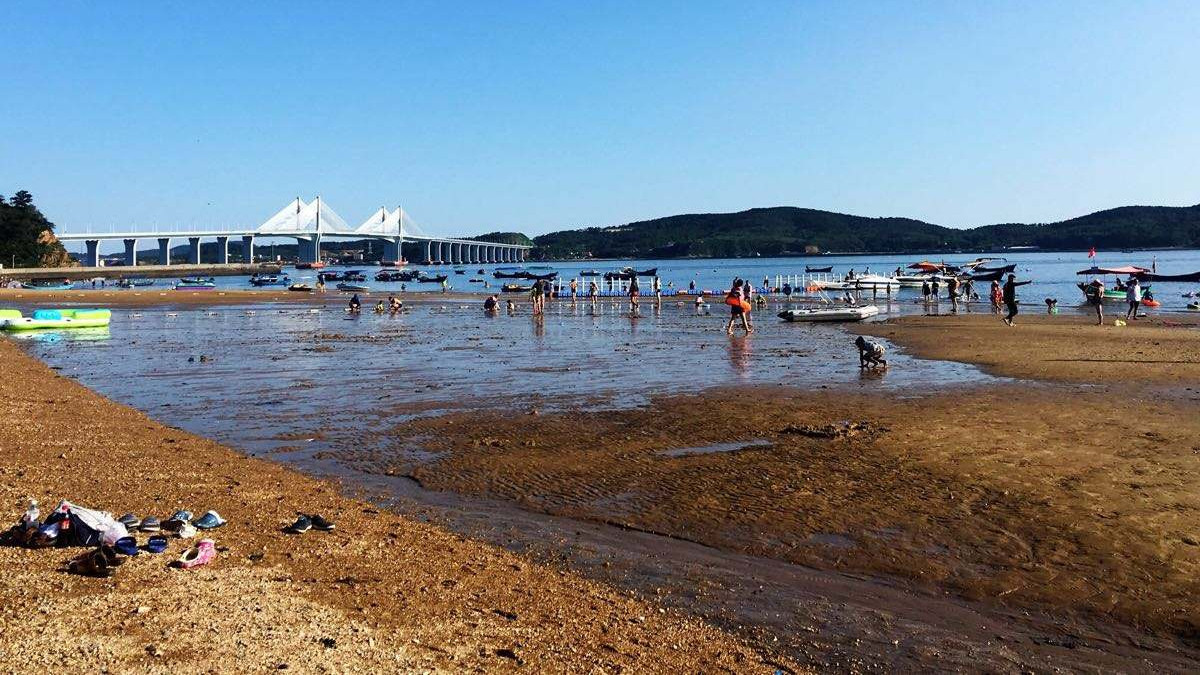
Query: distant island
[[790, 231]]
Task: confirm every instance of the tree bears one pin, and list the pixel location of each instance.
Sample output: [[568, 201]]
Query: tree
[[26, 237]]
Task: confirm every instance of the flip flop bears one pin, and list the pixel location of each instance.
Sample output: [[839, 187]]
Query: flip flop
[[126, 546], [302, 525], [321, 524], [156, 544], [130, 521], [177, 520], [209, 520], [201, 554], [186, 531], [150, 524]]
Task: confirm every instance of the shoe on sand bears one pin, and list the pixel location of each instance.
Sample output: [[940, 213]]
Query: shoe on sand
[[320, 523], [302, 525], [186, 531], [156, 544], [150, 524], [177, 520], [130, 521], [209, 520], [126, 546], [201, 554]]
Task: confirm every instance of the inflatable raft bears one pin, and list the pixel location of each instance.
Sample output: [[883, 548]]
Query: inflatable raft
[[830, 314], [41, 319]]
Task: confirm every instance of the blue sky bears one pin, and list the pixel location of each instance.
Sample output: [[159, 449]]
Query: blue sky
[[550, 115]]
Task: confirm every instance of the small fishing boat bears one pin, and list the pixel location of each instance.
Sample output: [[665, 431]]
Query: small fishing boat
[[627, 273], [480, 271], [53, 319], [1180, 278], [811, 269], [134, 282], [589, 273], [310, 265], [393, 263], [829, 314], [195, 284], [355, 288], [47, 285], [515, 288], [458, 271], [269, 280], [550, 276], [427, 279], [353, 275], [1116, 293], [476, 281], [509, 273], [1194, 306], [301, 288]]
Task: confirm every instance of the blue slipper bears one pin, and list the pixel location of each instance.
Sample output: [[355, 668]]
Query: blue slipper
[[156, 544], [209, 520], [150, 524], [181, 516], [126, 546]]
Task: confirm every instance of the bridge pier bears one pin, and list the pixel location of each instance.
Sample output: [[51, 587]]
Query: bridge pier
[[131, 252], [248, 249], [164, 250], [193, 251], [223, 250], [391, 249], [428, 253], [310, 249], [92, 257]]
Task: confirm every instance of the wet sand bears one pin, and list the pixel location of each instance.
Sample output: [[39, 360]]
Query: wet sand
[[1164, 348], [382, 593]]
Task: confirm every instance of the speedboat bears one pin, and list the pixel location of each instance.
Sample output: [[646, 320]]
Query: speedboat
[[830, 314], [427, 279], [269, 280], [132, 282], [301, 288], [869, 281], [810, 269], [356, 288], [589, 273]]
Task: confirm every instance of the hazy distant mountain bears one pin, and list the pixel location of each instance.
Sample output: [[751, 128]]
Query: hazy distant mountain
[[787, 230]]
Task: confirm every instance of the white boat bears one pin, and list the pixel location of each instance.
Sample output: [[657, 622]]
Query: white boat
[[830, 313], [874, 281]]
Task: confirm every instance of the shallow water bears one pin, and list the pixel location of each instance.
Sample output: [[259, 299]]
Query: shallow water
[[1053, 274], [274, 374]]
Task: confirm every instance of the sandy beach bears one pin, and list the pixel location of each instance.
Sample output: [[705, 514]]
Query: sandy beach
[[1023, 524], [382, 593]]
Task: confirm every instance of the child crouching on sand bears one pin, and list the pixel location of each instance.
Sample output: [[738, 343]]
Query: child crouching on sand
[[870, 354]]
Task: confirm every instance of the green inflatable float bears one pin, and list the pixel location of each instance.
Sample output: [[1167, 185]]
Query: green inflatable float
[[41, 319]]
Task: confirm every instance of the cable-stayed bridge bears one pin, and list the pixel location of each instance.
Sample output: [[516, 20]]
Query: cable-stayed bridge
[[309, 224]]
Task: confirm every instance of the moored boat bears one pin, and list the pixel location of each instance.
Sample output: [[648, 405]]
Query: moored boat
[[811, 269], [301, 288], [269, 280], [134, 282], [515, 288], [356, 288], [310, 265], [47, 285], [195, 284]]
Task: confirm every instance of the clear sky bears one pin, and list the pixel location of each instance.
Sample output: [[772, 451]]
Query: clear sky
[[539, 116]]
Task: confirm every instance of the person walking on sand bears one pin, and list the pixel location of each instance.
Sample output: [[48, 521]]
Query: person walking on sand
[[633, 294], [1010, 297], [593, 291], [1133, 295], [657, 285], [737, 310], [996, 295]]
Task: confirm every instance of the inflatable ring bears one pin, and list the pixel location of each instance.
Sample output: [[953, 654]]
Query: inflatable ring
[[732, 300], [745, 306], [1151, 303]]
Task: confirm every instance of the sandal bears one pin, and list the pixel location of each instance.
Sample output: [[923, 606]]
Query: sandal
[[209, 521], [124, 546], [156, 544], [201, 554]]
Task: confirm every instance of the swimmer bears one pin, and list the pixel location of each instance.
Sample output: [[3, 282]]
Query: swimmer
[[355, 304], [511, 307], [1052, 305], [394, 304], [870, 354], [379, 307], [491, 305]]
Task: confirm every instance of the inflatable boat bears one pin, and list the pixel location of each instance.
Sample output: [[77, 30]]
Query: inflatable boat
[[63, 285], [12, 320], [830, 314]]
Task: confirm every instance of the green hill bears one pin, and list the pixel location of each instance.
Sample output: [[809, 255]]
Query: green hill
[[786, 230]]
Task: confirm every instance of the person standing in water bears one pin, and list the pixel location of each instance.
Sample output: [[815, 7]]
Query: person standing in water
[[1010, 297], [634, 291], [952, 290], [574, 290], [996, 295], [737, 310], [355, 304], [593, 291]]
